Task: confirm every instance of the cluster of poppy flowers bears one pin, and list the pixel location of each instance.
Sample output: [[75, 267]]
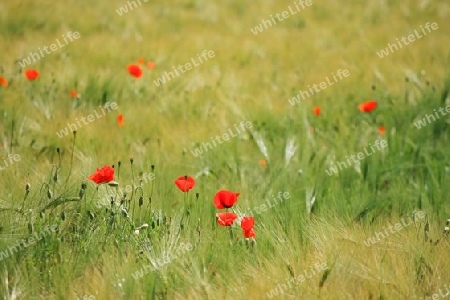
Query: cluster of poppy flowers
[[30, 74], [365, 107], [226, 199], [136, 71], [222, 200], [368, 107]]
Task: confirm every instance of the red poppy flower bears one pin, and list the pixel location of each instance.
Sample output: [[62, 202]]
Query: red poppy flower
[[225, 199], [185, 183], [367, 106], [317, 110], [3, 81], [73, 93], [250, 233], [141, 60], [120, 120], [151, 65], [247, 223], [226, 218], [135, 70], [263, 163], [382, 129], [105, 174], [31, 74]]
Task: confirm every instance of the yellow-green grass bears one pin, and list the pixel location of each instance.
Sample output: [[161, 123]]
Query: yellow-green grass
[[250, 78]]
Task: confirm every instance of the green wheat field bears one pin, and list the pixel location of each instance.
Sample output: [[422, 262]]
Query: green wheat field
[[330, 119]]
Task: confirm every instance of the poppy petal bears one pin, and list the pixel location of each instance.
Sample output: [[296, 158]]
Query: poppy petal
[[247, 223], [367, 106], [226, 218], [185, 183], [105, 174]]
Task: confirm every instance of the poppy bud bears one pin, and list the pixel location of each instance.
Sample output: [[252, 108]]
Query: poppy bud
[[131, 160], [141, 201], [81, 194], [49, 194], [83, 185], [30, 228], [113, 183], [63, 215], [27, 187], [55, 177]]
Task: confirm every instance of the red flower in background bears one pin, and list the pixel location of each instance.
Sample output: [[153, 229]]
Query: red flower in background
[[31, 74], [105, 174], [120, 119], [382, 129], [141, 60], [73, 93], [226, 218], [185, 183], [263, 163], [151, 65], [135, 70], [225, 199], [317, 110], [3, 81], [367, 106]]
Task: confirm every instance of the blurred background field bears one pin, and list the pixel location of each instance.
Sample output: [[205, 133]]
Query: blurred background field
[[251, 78]]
